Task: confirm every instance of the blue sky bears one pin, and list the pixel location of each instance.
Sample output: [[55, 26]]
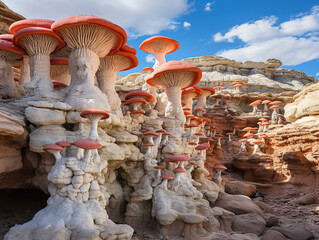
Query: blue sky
[[242, 30]]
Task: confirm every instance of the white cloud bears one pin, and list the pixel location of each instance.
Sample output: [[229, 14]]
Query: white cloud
[[187, 25], [150, 58], [317, 74], [138, 17], [208, 6], [293, 42]]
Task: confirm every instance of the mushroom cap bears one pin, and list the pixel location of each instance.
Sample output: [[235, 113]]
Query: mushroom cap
[[148, 44], [177, 158], [126, 54], [57, 84], [183, 103], [143, 130], [218, 135], [199, 110], [255, 103], [87, 144], [59, 61], [229, 133], [146, 69], [209, 139], [138, 112], [96, 21], [265, 123], [139, 93], [63, 144], [234, 83], [238, 85], [11, 47], [191, 125], [167, 134], [160, 131], [274, 106], [193, 163], [192, 143], [208, 89], [171, 68], [133, 100], [16, 79], [249, 135], [95, 111], [207, 115], [258, 141], [128, 48], [243, 140], [179, 169], [202, 146], [187, 113], [166, 177], [265, 102], [159, 167], [151, 133], [186, 109], [220, 166], [7, 37], [198, 134], [25, 23], [149, 144], [246, 129], [38, 31], [53, 147], [192, 90], [275, 102], [206, 120]]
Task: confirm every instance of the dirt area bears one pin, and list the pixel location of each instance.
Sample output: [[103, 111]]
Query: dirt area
[[18, 206]]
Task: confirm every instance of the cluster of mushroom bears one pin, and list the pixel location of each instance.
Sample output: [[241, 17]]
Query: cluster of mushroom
[[265, 111], [71, 54]]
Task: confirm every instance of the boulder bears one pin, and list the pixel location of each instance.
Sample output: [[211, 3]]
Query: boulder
[[249, 223], [43, 116], [273, 235], [238, 187], [238, 204], [246, 236]]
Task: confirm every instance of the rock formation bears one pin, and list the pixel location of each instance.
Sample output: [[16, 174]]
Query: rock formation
[[149, 165]]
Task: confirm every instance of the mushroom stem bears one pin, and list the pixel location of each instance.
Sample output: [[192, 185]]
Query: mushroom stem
[[265, 107], [148, 153], [165, 140], [256, 149], [219, 142], [163, 185], [242, 147], [8, 89], [201, 101], [174, 105], [24, 71], [159, 173], [218, 176], [160, 58], [274, 116], [255, 109], [229, 138], [106, 77], [56, 153], [93, 132], [177, 178]]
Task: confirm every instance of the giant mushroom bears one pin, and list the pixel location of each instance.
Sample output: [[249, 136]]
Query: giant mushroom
[[39, 43], [122, 60], [201, 99], [94, 115], [8, 52], [173, 76], [60, 70], [188, 94], [89, 38], [159, 46]]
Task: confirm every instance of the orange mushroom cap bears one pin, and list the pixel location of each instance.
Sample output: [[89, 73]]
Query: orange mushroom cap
[[139, 93], [87, 144], [128, 48], [11, 47], [258, 141], [26, 23], [203, 146], [38, 31], [249, 135], [242, 140], [166, 177], [138, 112], [177, 158], [266, 102], [133, 100], [179, 169], [151, 133], [173, 67], [149, 144], [210, 89], [149, 44], [95, 111], [7, 37], [255, 103], [220, 166], [275, 102], [96, 21], [274, 106], [63, 144], [161, 167], [53, 147], [59, 61]]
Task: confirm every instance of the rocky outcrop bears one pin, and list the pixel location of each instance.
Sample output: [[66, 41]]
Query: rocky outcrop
[[7, 17], [219, 71]]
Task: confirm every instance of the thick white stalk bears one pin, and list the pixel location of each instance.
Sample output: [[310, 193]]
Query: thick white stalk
[[25, 76], [218, 176], [40, 75], [219, 143], [174, 105], [93, 132], [106, 77], [160, 57], [163, 185], [177, 178], [256, 149]]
